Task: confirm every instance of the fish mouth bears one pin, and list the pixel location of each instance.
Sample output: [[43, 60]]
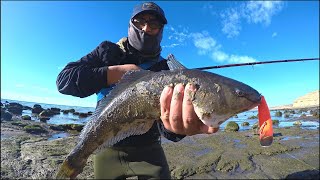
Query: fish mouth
[[255, 102], [257, 99]]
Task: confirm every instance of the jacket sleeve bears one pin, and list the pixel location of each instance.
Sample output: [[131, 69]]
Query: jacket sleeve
[[87, 75], [168, 134]]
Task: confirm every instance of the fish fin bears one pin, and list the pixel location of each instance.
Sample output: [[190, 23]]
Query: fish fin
[[141, 126], [173, 63], [265, 123], [66, 171], [127, 79]]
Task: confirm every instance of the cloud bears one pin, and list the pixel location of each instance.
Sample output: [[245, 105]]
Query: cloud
[[204, 42], [177, 36], [231, 23], [254, 12], [274, 34], [206, 45], [261, 11]]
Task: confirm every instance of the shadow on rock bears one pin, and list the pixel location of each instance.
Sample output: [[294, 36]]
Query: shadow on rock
[[307, 174]]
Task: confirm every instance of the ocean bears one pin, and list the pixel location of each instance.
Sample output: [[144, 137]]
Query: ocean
[[241, 117]]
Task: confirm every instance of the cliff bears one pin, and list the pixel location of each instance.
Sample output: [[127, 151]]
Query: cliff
[[309, 100]]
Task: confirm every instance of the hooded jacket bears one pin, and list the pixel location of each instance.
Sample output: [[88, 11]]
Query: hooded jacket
[[88, 75]]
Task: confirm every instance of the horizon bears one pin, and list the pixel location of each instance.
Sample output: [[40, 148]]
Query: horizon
[[282, 105], [39, 38]]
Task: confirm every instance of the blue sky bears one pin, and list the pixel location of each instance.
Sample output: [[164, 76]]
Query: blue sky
[[39, 38]]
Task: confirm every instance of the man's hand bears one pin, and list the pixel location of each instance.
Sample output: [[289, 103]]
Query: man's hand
[[115, 73], [177, 113]]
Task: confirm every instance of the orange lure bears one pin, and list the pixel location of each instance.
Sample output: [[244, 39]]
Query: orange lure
[[265, 124]]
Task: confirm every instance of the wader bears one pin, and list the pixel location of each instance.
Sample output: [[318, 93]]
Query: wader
[[143, 162]]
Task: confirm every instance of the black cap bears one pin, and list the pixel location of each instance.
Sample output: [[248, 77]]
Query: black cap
[[150, 7]]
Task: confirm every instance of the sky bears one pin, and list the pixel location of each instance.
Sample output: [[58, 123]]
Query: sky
[[38, 38]]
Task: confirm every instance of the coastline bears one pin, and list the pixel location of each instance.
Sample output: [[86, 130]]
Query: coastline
[[223, 155]]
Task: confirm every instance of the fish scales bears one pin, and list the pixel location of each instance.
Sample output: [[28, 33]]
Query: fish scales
[[133, 105]]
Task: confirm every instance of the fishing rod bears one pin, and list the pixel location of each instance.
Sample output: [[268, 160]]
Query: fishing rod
[[254, 63]]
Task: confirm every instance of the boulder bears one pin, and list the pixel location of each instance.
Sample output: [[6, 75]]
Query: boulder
[[37, 109], [245, 124], [14, 108], [34, 129], [26, 117], [232, 127], [5, 115]]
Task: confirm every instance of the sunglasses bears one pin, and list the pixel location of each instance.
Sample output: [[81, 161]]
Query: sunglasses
[[153, 23]]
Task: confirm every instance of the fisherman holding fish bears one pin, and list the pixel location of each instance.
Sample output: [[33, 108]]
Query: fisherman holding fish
[[98, 72]]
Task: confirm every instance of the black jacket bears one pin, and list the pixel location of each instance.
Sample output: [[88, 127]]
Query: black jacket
[[89, 75]]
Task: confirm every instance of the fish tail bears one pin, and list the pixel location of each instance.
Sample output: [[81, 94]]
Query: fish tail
[[66, 171], [265, 123]]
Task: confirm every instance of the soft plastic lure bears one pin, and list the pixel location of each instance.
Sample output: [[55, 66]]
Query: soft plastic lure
[[265, 124]]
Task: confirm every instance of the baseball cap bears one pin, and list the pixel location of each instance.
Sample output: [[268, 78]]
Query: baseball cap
[[152, 8]]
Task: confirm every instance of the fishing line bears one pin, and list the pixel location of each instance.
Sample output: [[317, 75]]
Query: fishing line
[[302, 162]]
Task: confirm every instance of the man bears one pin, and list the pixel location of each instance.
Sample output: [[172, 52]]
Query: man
[[97, 72]]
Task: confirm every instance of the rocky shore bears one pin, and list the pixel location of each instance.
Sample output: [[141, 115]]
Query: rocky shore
[[223, 155]]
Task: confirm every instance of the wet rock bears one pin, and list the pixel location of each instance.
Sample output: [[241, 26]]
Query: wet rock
[[245, 124], [26, 117], [37, 109], [303, 115], [5, 115], [57, 127], [315, 113], [255, 128], [34, 129], [297, 123], [26, 108], [72, 110], [275, 122], [232, 127], [55, 110], [83, 115], [44, 119], [253, 117], [65, 111], [278, 114], [76, 113], [77, 127], [19, 123], [14, 108], [45, 113]]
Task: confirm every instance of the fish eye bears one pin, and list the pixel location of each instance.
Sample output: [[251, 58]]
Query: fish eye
[[239, 93]]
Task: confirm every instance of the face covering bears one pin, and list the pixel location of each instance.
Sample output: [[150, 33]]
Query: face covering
[[144, 43]]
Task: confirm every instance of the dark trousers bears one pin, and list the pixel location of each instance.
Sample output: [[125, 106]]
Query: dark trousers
[[143, 162]]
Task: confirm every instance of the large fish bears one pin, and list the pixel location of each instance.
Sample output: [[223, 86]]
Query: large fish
[[133, 105]]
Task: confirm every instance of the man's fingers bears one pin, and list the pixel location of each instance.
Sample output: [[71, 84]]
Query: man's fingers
[[208, 130], [189, 116], [176, 108], [165, 100]]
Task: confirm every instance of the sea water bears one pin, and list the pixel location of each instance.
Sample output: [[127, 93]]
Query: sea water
[[70, 118]]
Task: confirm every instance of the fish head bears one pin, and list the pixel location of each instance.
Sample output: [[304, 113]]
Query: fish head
[[218, 98]]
